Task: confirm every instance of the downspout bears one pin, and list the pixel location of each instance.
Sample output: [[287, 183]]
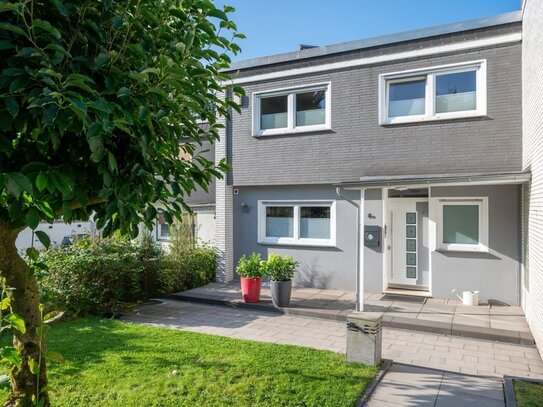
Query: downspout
[[359, 292]]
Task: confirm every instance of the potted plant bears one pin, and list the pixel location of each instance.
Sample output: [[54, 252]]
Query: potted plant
[[250, 271], [280, 271]]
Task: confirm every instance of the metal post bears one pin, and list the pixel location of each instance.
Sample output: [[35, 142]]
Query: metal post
[[359, 249]]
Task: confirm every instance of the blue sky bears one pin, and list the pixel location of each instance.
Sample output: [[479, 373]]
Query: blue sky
[[276, 26]]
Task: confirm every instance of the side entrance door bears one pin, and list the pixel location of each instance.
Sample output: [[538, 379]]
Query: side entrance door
[[407, 243]]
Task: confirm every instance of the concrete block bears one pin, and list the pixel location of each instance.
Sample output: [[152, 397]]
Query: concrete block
[[364, 337]]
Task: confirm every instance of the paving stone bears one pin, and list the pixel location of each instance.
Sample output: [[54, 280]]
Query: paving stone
[[406, 394], [477, 386], [465, 400]]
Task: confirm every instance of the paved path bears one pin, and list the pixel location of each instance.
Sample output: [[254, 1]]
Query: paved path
[[405, 385], [439, 316], [461, 355]]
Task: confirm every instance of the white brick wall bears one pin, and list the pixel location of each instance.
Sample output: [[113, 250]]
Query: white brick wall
[[532, 118], [223, 211]]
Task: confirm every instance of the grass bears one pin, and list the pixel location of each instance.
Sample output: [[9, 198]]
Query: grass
[[112, 363], [528, 394]]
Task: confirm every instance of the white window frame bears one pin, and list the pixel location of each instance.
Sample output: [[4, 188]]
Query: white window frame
[[430, 103], [158, 236], [296, 240], [291, 110], [482, 203]]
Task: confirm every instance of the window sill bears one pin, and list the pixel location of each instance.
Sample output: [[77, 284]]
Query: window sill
[[298, 243], [407, 120], [286, 132], [463, 250]]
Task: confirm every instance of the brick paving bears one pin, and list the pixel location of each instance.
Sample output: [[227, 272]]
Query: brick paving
[[486, 321], [453, 354]]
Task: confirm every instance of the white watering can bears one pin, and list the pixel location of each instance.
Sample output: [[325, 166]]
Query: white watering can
[[468, 297]]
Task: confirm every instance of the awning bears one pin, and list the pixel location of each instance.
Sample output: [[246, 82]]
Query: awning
[[438, 180]]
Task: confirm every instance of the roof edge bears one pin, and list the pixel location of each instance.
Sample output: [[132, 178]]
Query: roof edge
[[490, 21]]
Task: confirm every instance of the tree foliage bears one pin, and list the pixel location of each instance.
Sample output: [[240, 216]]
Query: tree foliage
[[96, 96]]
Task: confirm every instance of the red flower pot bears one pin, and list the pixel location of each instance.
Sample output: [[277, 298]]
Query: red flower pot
[[250, 289]]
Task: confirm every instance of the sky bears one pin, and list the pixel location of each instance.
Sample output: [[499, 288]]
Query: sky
[[276, 26]]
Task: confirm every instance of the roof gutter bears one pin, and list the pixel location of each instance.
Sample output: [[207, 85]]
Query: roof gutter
[[452, 180]]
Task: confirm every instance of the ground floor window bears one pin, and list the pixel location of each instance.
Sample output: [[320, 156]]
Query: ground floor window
[[297, 223], [162, 229], [463, 224]]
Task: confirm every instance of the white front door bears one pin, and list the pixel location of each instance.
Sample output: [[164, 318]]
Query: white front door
[[407, 264]]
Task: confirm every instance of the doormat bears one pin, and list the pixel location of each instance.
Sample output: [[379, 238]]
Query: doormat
[[405, 298]]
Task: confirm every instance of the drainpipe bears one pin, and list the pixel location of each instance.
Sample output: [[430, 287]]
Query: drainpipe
[[359, 252]]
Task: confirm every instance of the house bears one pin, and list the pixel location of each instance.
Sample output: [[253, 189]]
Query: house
[[201, 221], [417, 135], [202, 203], [57, 231]]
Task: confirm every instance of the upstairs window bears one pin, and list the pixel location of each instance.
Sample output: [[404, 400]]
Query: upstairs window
[[294, 110], [446, 92], [407, 97], [274, 112]]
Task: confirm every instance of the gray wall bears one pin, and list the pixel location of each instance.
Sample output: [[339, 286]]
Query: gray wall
[[357, 145], [373, 256], [319, 267], [200, 196], [496, 274], [532, 118]]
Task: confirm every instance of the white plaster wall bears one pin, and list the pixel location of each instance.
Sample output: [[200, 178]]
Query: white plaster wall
[[55, 231], [206, 227]]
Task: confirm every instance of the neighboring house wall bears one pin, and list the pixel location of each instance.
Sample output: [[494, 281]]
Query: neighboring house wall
[[206, 226], [532, 103], [202, 202], [56, 232], [357, 145], [200, 196]]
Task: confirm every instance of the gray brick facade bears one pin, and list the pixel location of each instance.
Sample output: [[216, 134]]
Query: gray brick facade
[[358, 146]]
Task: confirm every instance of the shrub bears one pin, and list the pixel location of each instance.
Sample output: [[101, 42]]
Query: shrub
[[187, 269], [182, 236], [93, 276], [250, 267], [278, 268], [150, 254], [102, 276]]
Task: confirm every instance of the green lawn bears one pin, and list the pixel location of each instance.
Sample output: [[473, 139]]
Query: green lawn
[[111, 363], [528, 394]]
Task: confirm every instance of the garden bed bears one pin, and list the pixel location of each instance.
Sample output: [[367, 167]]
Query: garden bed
[[113, 363], [523, 392]]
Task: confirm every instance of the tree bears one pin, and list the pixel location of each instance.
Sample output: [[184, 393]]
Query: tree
[[96, 97]]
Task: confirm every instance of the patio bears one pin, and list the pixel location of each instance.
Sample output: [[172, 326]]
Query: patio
[[492, 321]]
